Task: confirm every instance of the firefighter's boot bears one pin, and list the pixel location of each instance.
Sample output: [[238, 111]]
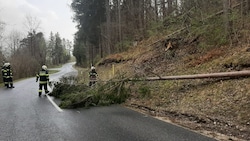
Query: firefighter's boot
[[11, 86]]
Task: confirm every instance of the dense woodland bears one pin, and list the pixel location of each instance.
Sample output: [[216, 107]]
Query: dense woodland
[[111, 26], [28, 50]]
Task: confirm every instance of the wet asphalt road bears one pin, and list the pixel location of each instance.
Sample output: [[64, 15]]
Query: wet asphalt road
[[26, 117]]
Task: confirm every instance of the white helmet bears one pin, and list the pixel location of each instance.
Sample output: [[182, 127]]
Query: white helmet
[[44, 67], [6, 64], [92, 68]]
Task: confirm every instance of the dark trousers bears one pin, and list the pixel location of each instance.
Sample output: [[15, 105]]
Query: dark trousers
[[8, 82], [41, 86], [92, 80]]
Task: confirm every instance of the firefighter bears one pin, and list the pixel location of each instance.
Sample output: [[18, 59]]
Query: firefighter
[[43, 77], [3, 75], [92, 76], [7, 75]]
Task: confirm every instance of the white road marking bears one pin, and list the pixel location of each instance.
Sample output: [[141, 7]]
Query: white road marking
[[54, 104]]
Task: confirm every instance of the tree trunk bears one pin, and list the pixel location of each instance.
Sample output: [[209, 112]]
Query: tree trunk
[[199, 76], [248, 6], [108, 26], [170, 6], [156, 11], [141, 16], [163, 5], [119, 21], [227, 21]]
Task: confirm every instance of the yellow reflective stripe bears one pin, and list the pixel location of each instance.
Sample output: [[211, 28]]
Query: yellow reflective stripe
[[44, 75]]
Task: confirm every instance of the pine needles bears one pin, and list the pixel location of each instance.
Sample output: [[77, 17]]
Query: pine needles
[[74, 95]]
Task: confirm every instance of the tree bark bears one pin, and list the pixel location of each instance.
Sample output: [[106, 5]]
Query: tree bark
[[156, 11], [163, 5], [248, 5], [198, 76], [119, 21], [108, 26], [170, 6], [227, 21]]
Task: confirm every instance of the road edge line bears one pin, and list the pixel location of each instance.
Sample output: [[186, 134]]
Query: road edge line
[[54, 104]]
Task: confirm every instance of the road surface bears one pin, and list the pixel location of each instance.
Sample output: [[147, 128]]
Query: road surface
[[26, 117]]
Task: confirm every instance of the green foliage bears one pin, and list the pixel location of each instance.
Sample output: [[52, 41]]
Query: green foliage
[[154, 28], [74, 95], [211, 33], [89, 15], [57, 52], [123, 45], [80, 53], [97, 58], [237, 61], [144, 91]]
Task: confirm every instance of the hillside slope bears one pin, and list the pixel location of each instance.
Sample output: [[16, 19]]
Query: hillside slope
[[216, 107]]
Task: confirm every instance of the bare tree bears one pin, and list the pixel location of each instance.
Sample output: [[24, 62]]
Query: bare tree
[[32, 24], [13, 40], [2, 25]]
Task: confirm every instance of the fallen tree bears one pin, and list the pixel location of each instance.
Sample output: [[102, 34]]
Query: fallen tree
[[236, 74], [115, 91], [74, 95]]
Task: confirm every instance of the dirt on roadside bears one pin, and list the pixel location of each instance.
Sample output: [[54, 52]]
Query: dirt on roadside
[[219, 108]]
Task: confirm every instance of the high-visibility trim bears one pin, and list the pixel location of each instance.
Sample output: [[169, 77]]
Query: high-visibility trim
[[43, 76], [43, 82]]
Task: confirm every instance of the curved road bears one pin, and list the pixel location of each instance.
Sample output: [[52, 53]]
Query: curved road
[[26, 117]]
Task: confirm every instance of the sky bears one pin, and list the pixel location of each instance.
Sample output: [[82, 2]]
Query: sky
[[53, 15]]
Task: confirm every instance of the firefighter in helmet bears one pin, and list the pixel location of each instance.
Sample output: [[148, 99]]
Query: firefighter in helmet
[[7, 75], [92, 76], [43, 77]]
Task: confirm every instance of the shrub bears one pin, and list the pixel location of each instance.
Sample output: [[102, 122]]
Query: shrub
[[75, 95], [144, 91]]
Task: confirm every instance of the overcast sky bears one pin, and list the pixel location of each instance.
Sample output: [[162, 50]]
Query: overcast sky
[[54, 15]]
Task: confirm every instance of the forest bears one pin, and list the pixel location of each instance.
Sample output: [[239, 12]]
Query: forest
[[107, 27], [157, 38], [28, 50], [112, 26], [144, 38]]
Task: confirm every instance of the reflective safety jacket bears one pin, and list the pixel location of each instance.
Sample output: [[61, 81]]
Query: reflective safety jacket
[[92, 74], [43, 77], [7, 72]]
